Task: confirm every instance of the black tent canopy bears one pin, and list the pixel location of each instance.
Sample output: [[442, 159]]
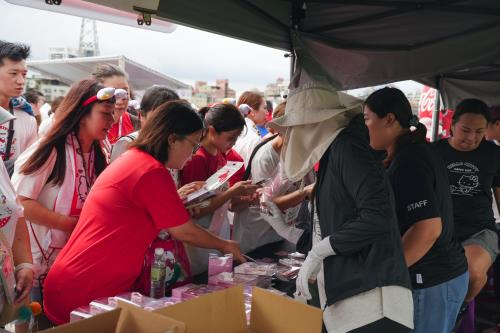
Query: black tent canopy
[[453, 45], [357, 43]]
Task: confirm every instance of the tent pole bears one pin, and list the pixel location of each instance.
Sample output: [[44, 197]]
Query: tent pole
[[435, 114]]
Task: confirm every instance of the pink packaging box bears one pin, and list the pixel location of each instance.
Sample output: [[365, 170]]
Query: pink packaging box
[[199, 290], [177, 292], [134, 298], [229, 279], [220, 264], [253, 268]]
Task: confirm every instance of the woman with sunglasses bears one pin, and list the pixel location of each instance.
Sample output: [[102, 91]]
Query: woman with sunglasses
[[124, 123], [53, 177], [105, 254], [224, 125]]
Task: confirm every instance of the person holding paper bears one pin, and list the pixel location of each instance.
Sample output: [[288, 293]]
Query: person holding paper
[[224, 125], [105, 254]]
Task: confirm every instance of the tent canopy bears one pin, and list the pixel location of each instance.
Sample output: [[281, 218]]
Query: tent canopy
[[74, 69], [482, 81], [358, 43]]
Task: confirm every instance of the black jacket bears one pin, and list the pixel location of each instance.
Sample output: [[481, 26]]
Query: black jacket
[[356, 209]]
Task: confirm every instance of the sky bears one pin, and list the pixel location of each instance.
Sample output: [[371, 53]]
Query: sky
[[186, 54]]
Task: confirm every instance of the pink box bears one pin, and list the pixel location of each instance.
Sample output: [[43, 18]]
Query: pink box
[[229, 279], [220, 264], [199, 290], [177, 292]]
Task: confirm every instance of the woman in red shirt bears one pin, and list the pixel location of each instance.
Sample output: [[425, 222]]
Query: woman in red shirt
[[224, 125], [105, 253]]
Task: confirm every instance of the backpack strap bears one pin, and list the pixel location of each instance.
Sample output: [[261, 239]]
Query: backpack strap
[[10, 135], [248, 171]]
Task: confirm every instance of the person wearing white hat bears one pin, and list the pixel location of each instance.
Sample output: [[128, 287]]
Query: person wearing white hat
[[253, 108], [13, 229], [356, 255]]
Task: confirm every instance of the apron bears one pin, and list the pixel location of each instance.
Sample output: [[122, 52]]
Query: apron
[[218, 224]]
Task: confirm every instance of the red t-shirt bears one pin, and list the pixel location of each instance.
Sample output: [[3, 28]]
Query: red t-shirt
[[131, 201], [203, 165], [126, 128], [233, 156]]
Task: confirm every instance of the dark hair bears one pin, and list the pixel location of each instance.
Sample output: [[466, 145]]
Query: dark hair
[[251, 99], [473, 106], [13, 51], [171, 118], [55, 104], [392, 100], [66, 123], [156, 96], [495, 114], [105, 71], [32, 96], [203, 112], [224, 118]]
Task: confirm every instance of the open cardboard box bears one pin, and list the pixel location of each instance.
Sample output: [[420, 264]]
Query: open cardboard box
[[224, 312], [125, 319]]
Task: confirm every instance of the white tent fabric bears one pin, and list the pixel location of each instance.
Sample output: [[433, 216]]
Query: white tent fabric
[[74, 69]]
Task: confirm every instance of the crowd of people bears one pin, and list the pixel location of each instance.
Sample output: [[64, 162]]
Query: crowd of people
[[399, 233]]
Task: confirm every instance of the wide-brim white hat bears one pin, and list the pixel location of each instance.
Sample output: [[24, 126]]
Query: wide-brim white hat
[[314, 103], [314, 115]]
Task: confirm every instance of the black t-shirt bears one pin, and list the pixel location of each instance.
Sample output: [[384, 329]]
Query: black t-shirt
[[472, 176], [419, 180]]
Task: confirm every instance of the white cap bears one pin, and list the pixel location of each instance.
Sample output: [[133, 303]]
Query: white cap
[[159, 251], [245, 109]]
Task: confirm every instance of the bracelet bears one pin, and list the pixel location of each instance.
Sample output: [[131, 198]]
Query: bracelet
[[24, 265]]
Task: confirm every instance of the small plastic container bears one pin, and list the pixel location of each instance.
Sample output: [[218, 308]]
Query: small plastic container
[[253, 268], [219, 264], [83, 312]]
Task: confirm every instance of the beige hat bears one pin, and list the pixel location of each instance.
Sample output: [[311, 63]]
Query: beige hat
[[315, 114]]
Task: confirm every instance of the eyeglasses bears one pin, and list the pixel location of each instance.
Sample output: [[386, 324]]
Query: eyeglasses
[[107, 95], [196, 145]]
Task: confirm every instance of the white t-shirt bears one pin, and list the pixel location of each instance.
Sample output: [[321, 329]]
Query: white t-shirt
[[45, 126], [250, 229], [247, 141], [10, 208], [25, 133], [34, 186]]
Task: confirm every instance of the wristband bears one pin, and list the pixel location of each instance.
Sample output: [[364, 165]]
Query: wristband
[[24, 265]]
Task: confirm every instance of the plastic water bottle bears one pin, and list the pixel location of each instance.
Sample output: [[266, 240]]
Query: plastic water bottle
[[158, 274]]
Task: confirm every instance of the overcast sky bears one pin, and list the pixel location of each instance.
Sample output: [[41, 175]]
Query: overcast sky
[[186, 54]]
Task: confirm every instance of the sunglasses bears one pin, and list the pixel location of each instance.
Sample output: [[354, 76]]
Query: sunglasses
[[108, 95]]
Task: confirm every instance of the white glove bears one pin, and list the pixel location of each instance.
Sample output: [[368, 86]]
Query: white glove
[[312, 265], [279, 224]]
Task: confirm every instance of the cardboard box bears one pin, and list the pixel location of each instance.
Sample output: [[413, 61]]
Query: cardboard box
[[224, 312], [126, 319]]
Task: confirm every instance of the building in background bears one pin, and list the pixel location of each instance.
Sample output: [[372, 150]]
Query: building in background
[[205, 94], [276, 92], [62, 53]]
